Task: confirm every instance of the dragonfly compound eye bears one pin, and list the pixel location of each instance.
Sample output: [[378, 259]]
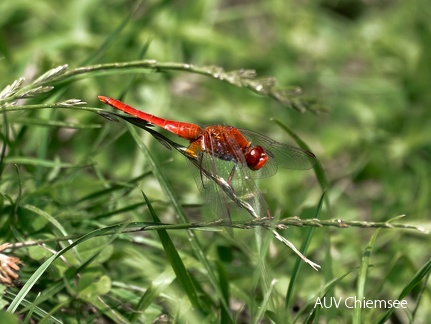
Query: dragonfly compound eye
[[256, 158]]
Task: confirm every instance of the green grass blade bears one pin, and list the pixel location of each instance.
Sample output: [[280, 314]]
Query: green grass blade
[[362, 277], [416, 280], [32, 307], [114, 187], [47, 216], [40, 271], [108, 41], [303, 250], [327, 289], [263, 307], [174, 259], [30, 283], [225, 316], [54, 123], [158, 285], [318, 169], [42, 149], [5, 139], [40, 162]]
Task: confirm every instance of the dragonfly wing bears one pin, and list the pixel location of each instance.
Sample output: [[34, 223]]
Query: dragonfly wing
[[227, 187], [206, 181], [251, 198], [280, 154], [241, 183]]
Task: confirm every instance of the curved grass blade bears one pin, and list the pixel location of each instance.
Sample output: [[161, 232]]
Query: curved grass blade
[[40, 271], [362, 277], [328, 288], [416, 280], [263, 307], [54, 123], [174, 259], [5, 138], [303, 250], [157, 286], [47, 216], [318, 169], [38, 312], [108, 41], [224, 286], [41, 162]]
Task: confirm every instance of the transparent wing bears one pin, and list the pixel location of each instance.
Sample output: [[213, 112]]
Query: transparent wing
[[280, 154], [237, 175], [226, 184], [205, 176]]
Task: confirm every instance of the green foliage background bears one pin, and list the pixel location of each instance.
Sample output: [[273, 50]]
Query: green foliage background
[[368, 64]]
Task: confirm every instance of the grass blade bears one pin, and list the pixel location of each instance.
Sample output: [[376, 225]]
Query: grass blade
[[303, 250], [158, 285], [40, 271], [360, 290], [174, 259], [416, 280], [328, 288], [318, 169]]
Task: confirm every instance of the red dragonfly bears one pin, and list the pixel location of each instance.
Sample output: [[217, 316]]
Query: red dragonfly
[[228, 159]]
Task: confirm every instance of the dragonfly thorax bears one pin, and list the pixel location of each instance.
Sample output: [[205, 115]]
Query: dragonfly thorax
[[256, 158]]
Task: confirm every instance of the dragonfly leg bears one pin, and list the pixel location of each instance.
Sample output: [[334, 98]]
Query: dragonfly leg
[[268, 214], [200, 159], [231, 174], [195, 151]]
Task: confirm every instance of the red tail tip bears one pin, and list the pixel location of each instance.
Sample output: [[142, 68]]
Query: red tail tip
[[103, 99]]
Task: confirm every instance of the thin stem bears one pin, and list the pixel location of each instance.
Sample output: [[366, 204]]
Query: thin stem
[[242, 78], [220, 223]]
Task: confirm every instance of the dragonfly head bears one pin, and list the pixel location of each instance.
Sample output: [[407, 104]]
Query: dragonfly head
[[256, 158]]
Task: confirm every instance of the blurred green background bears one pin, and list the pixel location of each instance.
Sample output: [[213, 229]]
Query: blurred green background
[[368, 65]]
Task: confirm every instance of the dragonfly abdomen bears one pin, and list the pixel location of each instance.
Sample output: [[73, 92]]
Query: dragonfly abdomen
[[187, 131]]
